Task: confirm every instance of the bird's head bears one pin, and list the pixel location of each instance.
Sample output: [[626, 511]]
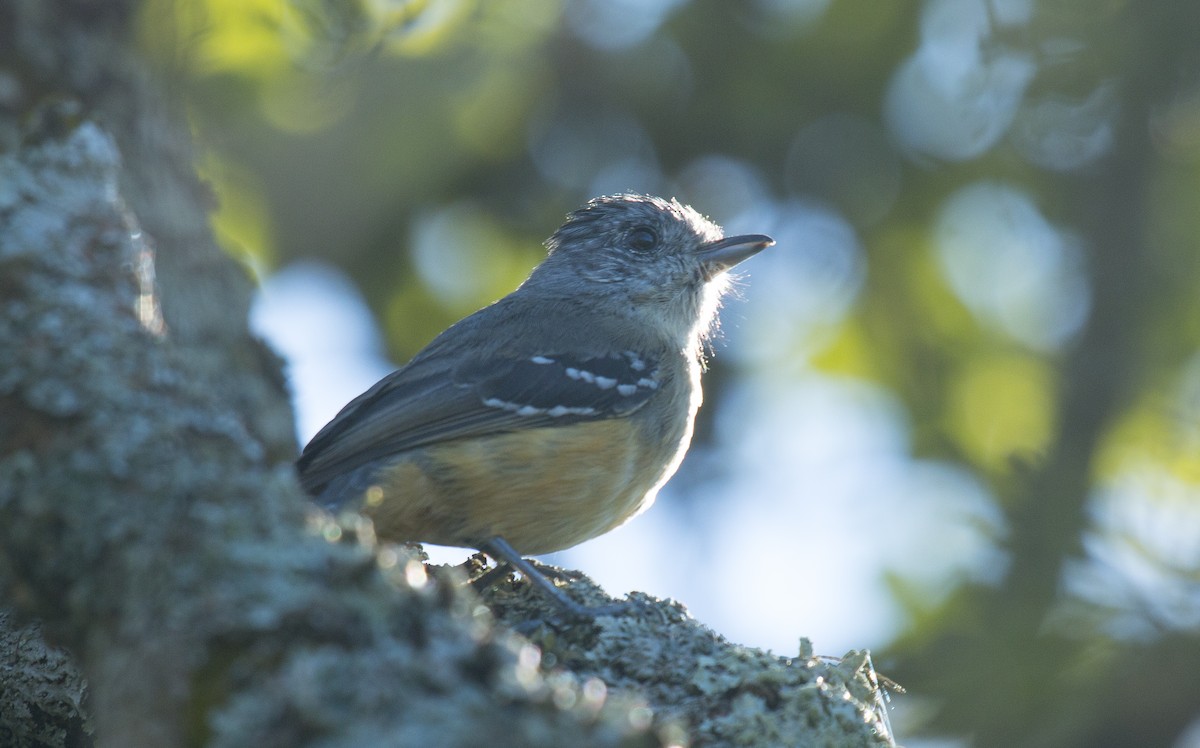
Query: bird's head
[[664, 262]]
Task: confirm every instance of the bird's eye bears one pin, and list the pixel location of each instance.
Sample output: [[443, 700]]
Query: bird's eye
[[642, 239]]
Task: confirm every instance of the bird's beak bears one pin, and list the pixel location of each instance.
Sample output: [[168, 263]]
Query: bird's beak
[[723, 254]]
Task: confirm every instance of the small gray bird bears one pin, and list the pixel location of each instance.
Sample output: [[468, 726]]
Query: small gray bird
[[556, 413]]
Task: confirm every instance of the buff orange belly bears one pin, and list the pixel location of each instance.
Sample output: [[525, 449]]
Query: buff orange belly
[[542, 490]]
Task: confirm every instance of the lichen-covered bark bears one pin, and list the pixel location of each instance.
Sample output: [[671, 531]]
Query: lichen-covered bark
[[146, 525], [42, 692], [701, 688]]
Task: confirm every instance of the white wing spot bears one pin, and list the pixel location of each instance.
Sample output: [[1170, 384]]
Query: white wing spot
[[519, 409], [541, 360], [606, 383], [563, 410], [650, 384], [627, 389]]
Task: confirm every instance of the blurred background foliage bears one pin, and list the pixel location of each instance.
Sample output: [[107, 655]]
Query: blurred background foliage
[[988, 265]]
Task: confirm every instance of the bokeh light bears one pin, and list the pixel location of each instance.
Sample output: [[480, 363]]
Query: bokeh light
[[1010, 266]]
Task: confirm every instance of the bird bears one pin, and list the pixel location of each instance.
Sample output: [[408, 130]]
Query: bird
[[554, 414]]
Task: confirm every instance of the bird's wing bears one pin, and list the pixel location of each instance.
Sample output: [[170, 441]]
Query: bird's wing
[[424, 403]]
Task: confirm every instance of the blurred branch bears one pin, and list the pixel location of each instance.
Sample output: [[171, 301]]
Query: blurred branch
[[1009, 676]]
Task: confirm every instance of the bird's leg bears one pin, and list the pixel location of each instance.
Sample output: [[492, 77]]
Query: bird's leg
[[489, 577], [499, 549]]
